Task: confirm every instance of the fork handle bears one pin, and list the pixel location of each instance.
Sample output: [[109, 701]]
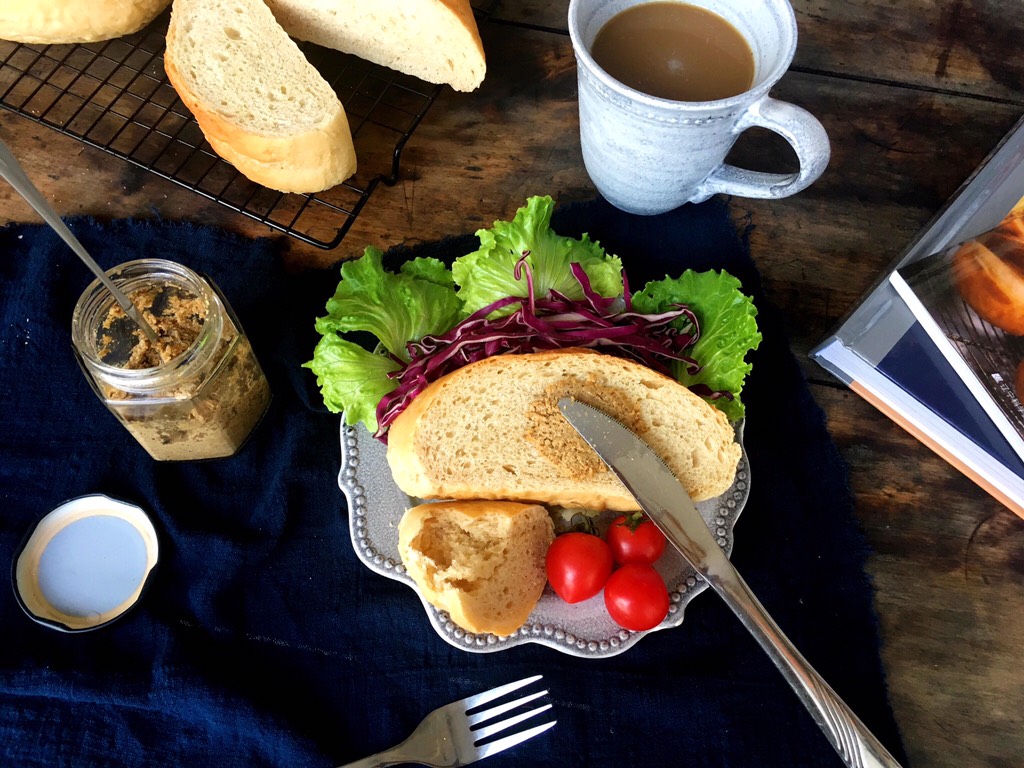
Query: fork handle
[[856, 745], [394, 756]]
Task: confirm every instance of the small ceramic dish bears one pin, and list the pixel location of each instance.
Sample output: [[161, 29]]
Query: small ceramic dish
[[85, 564]]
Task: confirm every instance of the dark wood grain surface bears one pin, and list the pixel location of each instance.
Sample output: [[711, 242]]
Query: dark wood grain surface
[[913, 95]]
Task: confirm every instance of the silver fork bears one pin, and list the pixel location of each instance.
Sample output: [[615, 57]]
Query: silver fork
[[446, 737]]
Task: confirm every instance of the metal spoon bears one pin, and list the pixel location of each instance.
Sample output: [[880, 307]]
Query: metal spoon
[[15, 175]]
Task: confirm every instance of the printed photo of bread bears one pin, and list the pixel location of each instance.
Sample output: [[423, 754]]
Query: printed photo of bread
[[970, 300], [989, 273]]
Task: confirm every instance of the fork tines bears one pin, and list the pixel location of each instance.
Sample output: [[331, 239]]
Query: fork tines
[[484, 715]]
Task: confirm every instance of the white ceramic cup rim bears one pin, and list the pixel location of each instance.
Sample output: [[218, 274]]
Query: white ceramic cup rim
[[740, 100]]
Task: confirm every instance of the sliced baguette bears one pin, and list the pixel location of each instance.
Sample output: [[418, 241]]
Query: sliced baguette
[[434, 40], [54, 22], [492, 430], [482, 561], [262, 106]]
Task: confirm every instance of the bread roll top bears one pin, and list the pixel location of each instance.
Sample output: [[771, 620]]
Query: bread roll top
[[56, 22]]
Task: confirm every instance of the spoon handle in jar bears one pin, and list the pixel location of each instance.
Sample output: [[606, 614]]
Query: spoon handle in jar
[[15, 175]]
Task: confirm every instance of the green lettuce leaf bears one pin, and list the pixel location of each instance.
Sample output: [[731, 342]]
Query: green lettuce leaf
[[727, 325], [396, 308], [426, 298], [486, 275], [351, 379]]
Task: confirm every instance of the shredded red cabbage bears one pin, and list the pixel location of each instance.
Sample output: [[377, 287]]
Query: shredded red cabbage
[[550, 322]]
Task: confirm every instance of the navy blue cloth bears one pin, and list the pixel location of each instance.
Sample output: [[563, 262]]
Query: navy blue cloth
[[263, 641]]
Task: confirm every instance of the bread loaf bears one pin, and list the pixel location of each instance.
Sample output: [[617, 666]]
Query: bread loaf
[[492, 430], [482, 562], [434, 40], [262, 106], [989, 273], [51, 22]]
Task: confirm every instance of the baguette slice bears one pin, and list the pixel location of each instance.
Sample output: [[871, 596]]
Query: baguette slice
[[54, 22], [482, 561], [492, 430], [434, 40], [260, 104]]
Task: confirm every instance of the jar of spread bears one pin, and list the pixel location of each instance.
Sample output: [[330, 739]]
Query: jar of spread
[[197, 391]]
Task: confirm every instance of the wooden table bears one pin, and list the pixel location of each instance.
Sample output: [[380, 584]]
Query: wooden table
[[913, 95]]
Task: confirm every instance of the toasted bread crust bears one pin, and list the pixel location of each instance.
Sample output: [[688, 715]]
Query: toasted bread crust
[[511, 457]]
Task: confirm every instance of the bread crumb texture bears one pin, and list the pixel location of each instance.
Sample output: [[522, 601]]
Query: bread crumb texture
[[483, 562], [493, 430], [236, 60], [555, 439], [259, 102], [434, 40]]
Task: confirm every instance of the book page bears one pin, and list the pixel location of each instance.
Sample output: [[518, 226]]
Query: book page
[[970, 298]]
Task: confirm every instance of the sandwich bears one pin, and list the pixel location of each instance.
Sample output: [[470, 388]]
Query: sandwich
[[467, 367]]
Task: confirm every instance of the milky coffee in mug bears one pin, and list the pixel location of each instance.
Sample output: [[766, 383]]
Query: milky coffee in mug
[[666, 88], [675, 51]]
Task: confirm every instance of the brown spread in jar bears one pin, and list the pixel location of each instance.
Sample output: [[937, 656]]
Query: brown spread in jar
[[197, 391]]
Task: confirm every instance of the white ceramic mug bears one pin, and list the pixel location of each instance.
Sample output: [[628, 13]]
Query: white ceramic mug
[[648, 155]]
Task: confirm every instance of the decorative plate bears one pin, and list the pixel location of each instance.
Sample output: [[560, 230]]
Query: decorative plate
[[376, 506]]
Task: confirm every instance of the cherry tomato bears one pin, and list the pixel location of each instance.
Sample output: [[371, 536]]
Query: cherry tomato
[[578, 565], [636, 597], [635, 539]]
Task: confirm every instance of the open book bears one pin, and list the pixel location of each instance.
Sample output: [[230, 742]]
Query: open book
[[918, 361], [963, 298]]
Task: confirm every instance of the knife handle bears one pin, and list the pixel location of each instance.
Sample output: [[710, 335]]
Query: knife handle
[[857, 746]]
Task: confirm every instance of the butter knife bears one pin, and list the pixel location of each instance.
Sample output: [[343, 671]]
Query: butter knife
[[668, 504]]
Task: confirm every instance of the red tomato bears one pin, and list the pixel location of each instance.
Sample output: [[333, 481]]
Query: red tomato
[[635, 539], [636, 597], [578, 565]]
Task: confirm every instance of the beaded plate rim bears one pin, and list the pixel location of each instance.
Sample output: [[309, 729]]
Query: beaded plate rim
[[376, 505]]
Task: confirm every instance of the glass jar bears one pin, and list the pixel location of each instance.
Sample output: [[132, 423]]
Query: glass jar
[[197, 392]]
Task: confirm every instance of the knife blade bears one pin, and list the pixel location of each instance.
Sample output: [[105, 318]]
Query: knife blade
[[655, 488], [660, 494]]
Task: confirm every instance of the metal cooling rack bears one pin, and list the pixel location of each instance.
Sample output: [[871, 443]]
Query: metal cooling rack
[[114, 95]]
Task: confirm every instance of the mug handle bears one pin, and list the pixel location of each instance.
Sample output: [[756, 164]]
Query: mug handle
[[796, 125]]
